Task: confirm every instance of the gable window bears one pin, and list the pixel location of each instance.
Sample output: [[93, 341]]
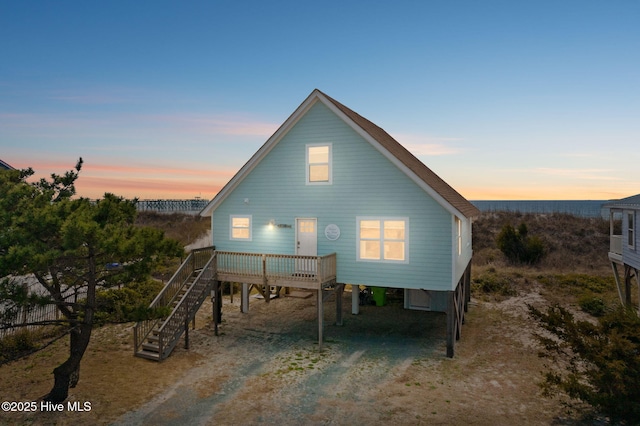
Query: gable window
[[240, 228], [383, 239], [631, 230], [319, 164]]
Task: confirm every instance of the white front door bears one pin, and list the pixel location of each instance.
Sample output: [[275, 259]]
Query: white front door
[[306, 243]]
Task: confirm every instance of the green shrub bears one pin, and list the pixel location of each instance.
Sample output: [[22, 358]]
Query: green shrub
[[491, 282], [595, 363], [580, 282], [592, 304], [129, 303], [518, 247], [14, 345]]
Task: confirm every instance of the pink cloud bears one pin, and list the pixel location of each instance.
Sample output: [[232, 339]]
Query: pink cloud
[[421, 145]]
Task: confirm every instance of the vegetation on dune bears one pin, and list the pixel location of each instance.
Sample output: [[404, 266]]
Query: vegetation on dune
[[180, 227], [518, 246], [572, 244], [597, 360], [598, 363]]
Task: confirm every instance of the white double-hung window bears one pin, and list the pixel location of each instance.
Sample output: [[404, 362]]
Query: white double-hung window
[[319, 164], [383, 239], [240, 227]]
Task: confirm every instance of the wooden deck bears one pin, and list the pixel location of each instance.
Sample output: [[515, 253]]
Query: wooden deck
[[265, 271], [308, 272]]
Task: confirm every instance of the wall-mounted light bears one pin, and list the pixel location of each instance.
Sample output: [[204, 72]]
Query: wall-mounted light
[[272, 224]]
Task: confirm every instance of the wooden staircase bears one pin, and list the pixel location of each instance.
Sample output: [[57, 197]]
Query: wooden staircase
[[183, 295]]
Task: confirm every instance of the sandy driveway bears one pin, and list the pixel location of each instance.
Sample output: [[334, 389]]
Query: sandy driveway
[[384, 366]]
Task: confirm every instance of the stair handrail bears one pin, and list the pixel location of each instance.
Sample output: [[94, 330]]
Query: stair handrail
[[167, 295], [179, 278], [174, 325]]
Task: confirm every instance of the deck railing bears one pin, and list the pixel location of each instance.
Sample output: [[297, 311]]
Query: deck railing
[[275, 269]]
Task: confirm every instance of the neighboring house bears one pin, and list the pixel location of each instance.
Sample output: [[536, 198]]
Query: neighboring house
[[331, 184], [624, 248], [5, 166]]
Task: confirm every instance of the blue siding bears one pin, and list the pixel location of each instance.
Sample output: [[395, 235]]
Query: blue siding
[[365, 183]]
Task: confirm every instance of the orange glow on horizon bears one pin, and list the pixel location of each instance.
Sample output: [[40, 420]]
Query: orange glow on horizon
[[146, 188], [153, 182], [137, 181]]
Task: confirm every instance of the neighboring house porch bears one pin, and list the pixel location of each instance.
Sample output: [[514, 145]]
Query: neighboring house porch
[[624, 250]]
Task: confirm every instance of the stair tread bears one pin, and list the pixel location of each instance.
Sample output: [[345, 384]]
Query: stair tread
[[149, 355], [153, 347]]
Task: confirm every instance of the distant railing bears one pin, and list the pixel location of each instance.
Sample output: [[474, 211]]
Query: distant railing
[[615, 244], [193, 206]]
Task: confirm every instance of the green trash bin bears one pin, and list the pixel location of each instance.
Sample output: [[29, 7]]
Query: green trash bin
[[379, 295]]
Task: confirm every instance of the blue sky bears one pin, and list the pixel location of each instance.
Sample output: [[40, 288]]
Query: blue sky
[[168, 99]]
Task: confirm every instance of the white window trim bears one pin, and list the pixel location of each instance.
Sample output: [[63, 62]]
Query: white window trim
[[382, 219], [307, 164], [458, 224], [631, 229], [244, 216]]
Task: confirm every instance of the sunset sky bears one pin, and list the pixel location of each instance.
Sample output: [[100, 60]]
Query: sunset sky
[[167, 99]]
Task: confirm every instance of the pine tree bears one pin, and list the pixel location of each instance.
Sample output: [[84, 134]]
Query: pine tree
[[68, 244]]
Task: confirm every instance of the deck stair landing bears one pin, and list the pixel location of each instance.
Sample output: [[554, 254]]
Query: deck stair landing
[[181, 298]]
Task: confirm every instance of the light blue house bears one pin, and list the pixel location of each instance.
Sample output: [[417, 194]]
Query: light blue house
[[624, 248], [332, 185]]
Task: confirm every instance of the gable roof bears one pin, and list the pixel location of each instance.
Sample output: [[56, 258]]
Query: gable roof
[[442, 192], [5, 166]]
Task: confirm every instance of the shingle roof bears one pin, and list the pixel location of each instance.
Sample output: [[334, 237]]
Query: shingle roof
[[408, 159]]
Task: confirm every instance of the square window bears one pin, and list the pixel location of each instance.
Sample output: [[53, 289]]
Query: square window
[[240, 228], [382, 240]]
